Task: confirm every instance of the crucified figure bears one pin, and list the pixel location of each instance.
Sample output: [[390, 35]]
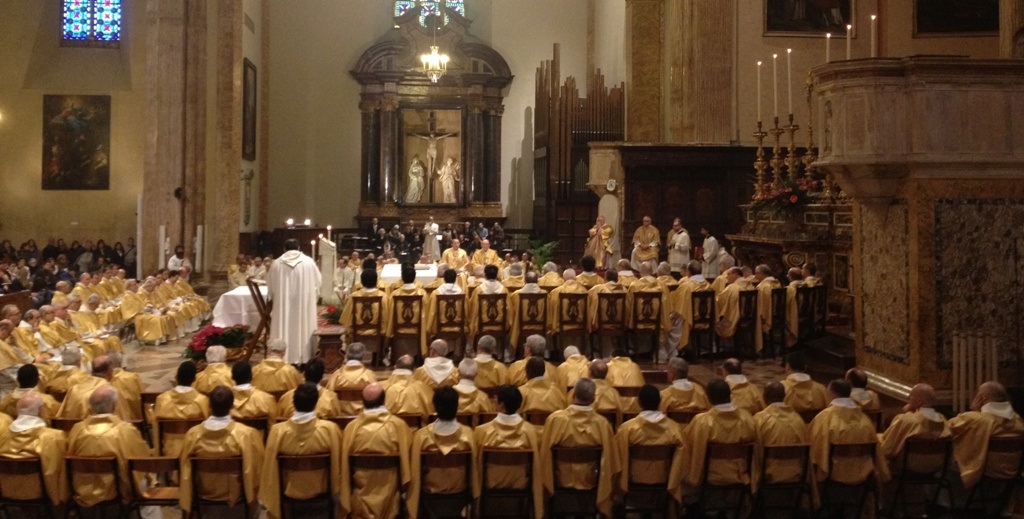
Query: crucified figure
[[432, 139]]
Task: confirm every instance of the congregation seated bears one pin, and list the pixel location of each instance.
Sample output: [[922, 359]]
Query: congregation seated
[[472, 401], [725, 422], [578, 425], [802, 393], [682, 394], [991, 415], [650, 427], [918, 420], [373, 491], [221, 437], [864, 397], [351, 375], [28, 382], [302, 434], [326, 404], [509, 430], [250, 402], [76, 403], [843, 421], [437, 369], [490, 372], [535, 347], [216, 373], [273, 374], [29, 437], [541, 392], [182, 402], [404, 394], [101, 435], [574, 366], [778, 425], [445, 436]]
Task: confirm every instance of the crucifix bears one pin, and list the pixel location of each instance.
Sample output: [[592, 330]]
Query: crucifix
[[247, 177], [432, 137]]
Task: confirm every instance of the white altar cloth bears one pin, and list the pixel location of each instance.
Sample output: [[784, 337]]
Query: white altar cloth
[[393, 272], [237, 307]]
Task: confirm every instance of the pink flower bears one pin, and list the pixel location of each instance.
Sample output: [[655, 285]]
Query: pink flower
[[792, 199]]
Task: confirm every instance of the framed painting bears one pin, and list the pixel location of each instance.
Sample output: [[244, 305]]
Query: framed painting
[[956, 17], [249, 111], [76, 142], [810, 18], [431, 152]]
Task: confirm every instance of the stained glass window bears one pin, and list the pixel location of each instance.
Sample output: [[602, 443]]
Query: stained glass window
[[92, 21], [431, 8]]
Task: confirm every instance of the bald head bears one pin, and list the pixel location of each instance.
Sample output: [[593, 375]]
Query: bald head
[[439, 348], [921, 395], [102, 367], [645, 269], [373, 396], [404, 362], [989, 393], [623, 265], [598, 369], [103, 399], [569, 275], [569, 351]]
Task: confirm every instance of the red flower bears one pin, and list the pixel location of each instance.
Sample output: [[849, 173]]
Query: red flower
[[331, 309], [792, 199]]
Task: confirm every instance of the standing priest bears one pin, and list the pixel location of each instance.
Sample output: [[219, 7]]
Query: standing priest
[[292, 284]]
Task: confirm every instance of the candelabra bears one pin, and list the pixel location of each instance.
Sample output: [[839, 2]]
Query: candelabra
[[777, 160], [760, 190], [792, 161]]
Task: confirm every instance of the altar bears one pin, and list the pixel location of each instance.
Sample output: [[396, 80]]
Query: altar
[[393, 272], [237, 307]]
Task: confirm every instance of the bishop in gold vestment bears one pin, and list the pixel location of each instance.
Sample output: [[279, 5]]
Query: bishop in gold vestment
[[599, 243], [646, 242]]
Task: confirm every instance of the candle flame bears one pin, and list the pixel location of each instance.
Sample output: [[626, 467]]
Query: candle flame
[[849, 26], [759, 63], [789, 51], [828, 35], [873, 17], [774, 56]]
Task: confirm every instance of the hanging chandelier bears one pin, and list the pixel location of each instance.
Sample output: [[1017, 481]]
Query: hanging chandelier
[[435, 64]]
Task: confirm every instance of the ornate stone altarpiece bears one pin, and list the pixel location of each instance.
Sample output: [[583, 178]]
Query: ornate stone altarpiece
[[404, 115]]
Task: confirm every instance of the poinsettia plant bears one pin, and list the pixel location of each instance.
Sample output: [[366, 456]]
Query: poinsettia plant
[[232, 337], [332, 314], [787, 194]]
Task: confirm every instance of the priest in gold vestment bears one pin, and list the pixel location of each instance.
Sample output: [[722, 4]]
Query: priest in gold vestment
[[606, 398], [646, 243], [510, 431], [370, 491], [455, 257], [182, 402], [778, 424], [556, 314], [250, 402], [472, 401], [410, 316], [802, 393], [28, 382], [104, 435], [303, 434], [128, 386], [550, 278], [273, 374], [682, 394], [29, 437], [991, 415], [610, 286], [541, 393], [485, 255], [221, 437], [745, 394], [765, 283], [844, 422], [76, 402], [864, 397], [580, 426], [651, 427], [589, 277], [574, 366], [69, 373], [918, 420], [445, 436], [403, 394], [216, 373], [535, 346], [351, 375], [437, 369], [599, 244], [490, 372], [327, 405]]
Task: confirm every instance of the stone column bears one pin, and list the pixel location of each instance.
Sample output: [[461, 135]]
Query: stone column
[[473, 169], [931, 150], [699, 53], [1011, 28], [388, 149], [195, 122], [228, 112], [492, 147], [644, 70], [370, 184]]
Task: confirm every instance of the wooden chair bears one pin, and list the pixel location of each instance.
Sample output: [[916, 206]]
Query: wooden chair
[[745, 338], [153, 496], [506, 502], [492, 317], [260, 423], [482, 418], [646, 318], [342, 421], [612, 417], [683, 417], [174, 426], [308, 463], [572, 318], [346, 394], [63, 424], [790, 493], [923, 464], [25, 468], [611, 320], [572, 501], [704, 317], [995, 489], [732, 495], [776, 336], [446, 505], [369, 461], [218, 467], [450, 320], [262, 332], [414, 421], [407, 315], [833, 492], [91, 468], [368, 322], [537, 417], [808, 414], [533, 316], [652, 497], [876, 418], [812, 309]]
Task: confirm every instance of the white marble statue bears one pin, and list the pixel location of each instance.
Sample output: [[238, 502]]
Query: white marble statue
[[414, 191], [449, 175]]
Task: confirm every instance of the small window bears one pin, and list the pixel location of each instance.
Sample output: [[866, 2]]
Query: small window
[[431, 8], [92, 23]]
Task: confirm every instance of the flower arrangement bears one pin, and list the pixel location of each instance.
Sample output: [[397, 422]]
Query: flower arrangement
[[333, 314], [233, 337], [786, 195]]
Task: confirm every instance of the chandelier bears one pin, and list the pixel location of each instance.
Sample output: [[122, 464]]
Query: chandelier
[[435, 64]]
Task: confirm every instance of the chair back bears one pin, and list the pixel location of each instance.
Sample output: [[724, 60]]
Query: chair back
[[482, 418], [91, 468], [537, 417], [217, 467], [628, 391], [703, 304], [21, 468], [367, 317], [347, 394], [450, 317], [260, 423], [450, 461], [532, 313], [505, 458], [1005, 458], [501, 501], [414, 421], [778, 298], [738, 454], [647, 310], [658, 457], [845, 453], [492, 314], [63, 424], [341, 421], [167, 426], [925, 458], [407, 313], [584, 455], [572, 312], [153, 496], [812, 309], [683, 417], [287, 465], [798, 455], [748, 309], [611, 313]]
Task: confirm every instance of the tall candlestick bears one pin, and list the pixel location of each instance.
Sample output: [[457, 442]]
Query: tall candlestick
[[312, 248], [789, 78], [758, 91], [849, 38], [775, 84], [828, 47], [874, 40]]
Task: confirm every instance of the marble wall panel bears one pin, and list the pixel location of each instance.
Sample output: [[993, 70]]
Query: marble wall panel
[[885, 306]]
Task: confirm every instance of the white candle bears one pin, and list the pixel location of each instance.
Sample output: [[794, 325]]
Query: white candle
[[308, 222], [828, 47], [789, 79], [874, 40], [849, 39], [775, 84], [759, 92], [312, 248]]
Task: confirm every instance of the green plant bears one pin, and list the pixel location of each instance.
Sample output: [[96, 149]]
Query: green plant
[[542, 251]]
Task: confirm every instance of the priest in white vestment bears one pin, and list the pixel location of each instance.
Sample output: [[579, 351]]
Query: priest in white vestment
[[430, 241], [293, 283], [710, 256]]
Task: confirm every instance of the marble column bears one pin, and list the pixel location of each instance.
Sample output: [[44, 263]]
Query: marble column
[[473, 169], [370, 183], [225, 218], [492, 150], [389, 149], [931, 150], [195, 122], [699, 48], [1011, 29], [644, 70]]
